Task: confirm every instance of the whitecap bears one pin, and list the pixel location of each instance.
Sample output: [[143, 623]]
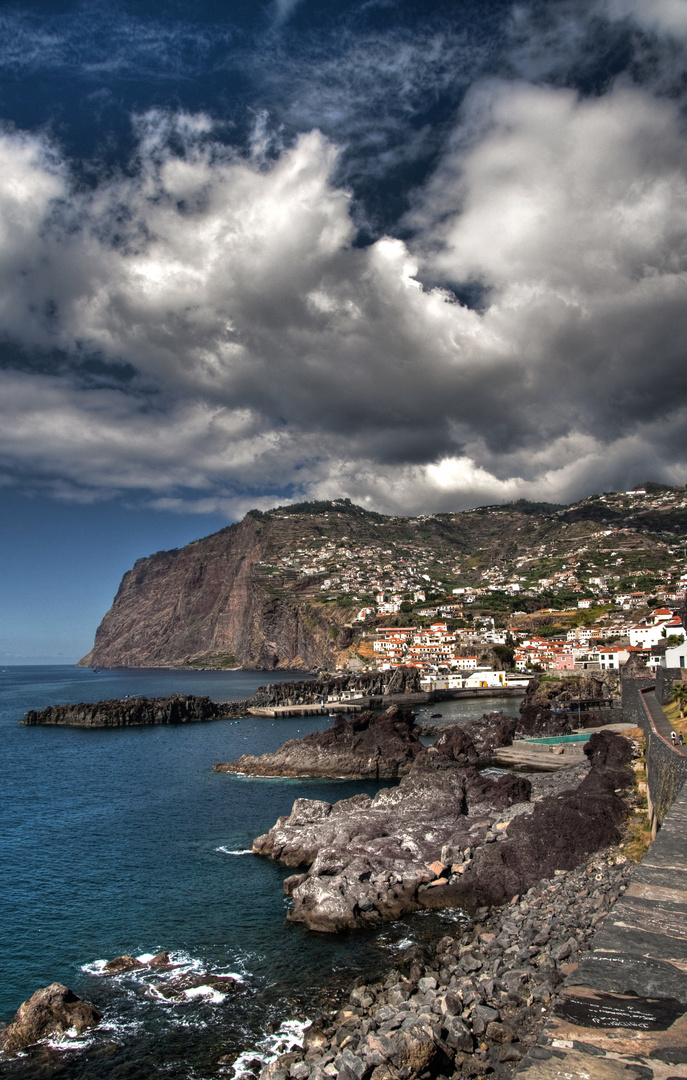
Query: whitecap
[[68, 1040], [94, 968], [238, 851], [146, 957], [205, 993], [289, 1036]]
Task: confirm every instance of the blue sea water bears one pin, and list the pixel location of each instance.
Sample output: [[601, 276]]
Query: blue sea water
[[125, 841]]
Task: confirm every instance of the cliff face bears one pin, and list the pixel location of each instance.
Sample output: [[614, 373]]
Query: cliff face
[[212, 603]]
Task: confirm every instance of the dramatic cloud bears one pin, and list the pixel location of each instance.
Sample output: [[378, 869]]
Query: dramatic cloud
[[203, 332]]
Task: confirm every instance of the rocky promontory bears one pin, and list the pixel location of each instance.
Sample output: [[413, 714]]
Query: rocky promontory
[[369, 745], [446, 836], [177, 709]]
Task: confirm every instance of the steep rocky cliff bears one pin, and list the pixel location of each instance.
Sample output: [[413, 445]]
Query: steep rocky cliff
[[215, 603]]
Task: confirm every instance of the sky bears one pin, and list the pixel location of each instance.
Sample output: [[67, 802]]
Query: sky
[[421, 255]]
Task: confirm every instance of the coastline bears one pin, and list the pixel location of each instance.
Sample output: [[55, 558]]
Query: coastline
[[473, 1000], [417, 929]]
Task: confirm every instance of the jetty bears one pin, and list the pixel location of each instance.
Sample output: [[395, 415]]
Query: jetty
[[281, 712]]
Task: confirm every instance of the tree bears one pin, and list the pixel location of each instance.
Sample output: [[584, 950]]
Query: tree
[[679, 695], [505, 654]]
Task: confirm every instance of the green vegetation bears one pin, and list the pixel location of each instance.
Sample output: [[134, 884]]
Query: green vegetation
[[679, 696], [213, 660]]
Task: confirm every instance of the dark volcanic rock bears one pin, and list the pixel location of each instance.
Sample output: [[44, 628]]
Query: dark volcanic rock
[[491, 731], [374, 859], [369, 745], [404, 680], [53, 1010], [122, 963], [561, 831], [177, 709], [473, 1003], [177, 988], [447, 836], [543, 708]]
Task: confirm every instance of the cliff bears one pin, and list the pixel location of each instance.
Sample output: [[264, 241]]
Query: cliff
[[215, 603], [281, 589]]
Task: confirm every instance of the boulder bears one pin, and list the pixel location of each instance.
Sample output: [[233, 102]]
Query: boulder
[[160, 960], [53, 1010], [122, 963]]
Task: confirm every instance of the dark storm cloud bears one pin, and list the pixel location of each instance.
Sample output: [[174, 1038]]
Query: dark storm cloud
[[220, 333]]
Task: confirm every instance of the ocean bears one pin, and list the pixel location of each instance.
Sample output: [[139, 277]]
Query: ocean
[[125, 841]]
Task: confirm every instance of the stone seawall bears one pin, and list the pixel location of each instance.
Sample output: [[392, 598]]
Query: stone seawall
[[666, 767]]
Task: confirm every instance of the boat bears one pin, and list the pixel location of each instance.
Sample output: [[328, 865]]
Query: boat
[[435, 716]]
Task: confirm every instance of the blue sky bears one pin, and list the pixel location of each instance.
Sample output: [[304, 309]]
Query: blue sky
[[422, 255]]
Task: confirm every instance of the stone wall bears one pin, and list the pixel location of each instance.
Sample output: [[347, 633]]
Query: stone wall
[[634, 710], [666, 773], [665, 680], [666, 768]]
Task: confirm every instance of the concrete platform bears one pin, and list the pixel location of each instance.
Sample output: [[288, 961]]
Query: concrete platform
[[281, 711], [530, 755]]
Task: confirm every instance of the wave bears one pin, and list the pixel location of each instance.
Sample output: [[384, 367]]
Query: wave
[[69, 1040], [239, 851], [205, 993], [289, 1036]]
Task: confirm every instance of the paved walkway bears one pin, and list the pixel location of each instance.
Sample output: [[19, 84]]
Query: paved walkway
[[661, 721], [622, 1014]]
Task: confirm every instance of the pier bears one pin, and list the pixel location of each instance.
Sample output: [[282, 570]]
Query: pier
[[281, 712]]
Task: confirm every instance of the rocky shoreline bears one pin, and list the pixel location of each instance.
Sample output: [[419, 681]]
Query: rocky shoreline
[[369, 745], [524, 866], [472, 1003], [447, 836], [190, 708]]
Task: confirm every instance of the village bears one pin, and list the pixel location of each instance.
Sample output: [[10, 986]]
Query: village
[[585, 598]]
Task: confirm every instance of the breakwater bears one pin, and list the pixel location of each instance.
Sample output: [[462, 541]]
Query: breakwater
[[132, 712]]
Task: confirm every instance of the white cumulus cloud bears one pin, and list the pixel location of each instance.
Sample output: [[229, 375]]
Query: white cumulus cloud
[[265, 352]]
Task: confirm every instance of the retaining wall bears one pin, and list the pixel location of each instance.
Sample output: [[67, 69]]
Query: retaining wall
[[665, 680], [666, 768]]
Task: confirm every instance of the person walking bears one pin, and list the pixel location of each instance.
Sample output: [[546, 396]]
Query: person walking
[[673, 737], [681, 739]]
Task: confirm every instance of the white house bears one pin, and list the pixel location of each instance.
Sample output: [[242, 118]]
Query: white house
[[648, 635], [611, 658], [676, 657]]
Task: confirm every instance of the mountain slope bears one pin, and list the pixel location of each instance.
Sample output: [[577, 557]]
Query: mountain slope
[[280, 589]]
